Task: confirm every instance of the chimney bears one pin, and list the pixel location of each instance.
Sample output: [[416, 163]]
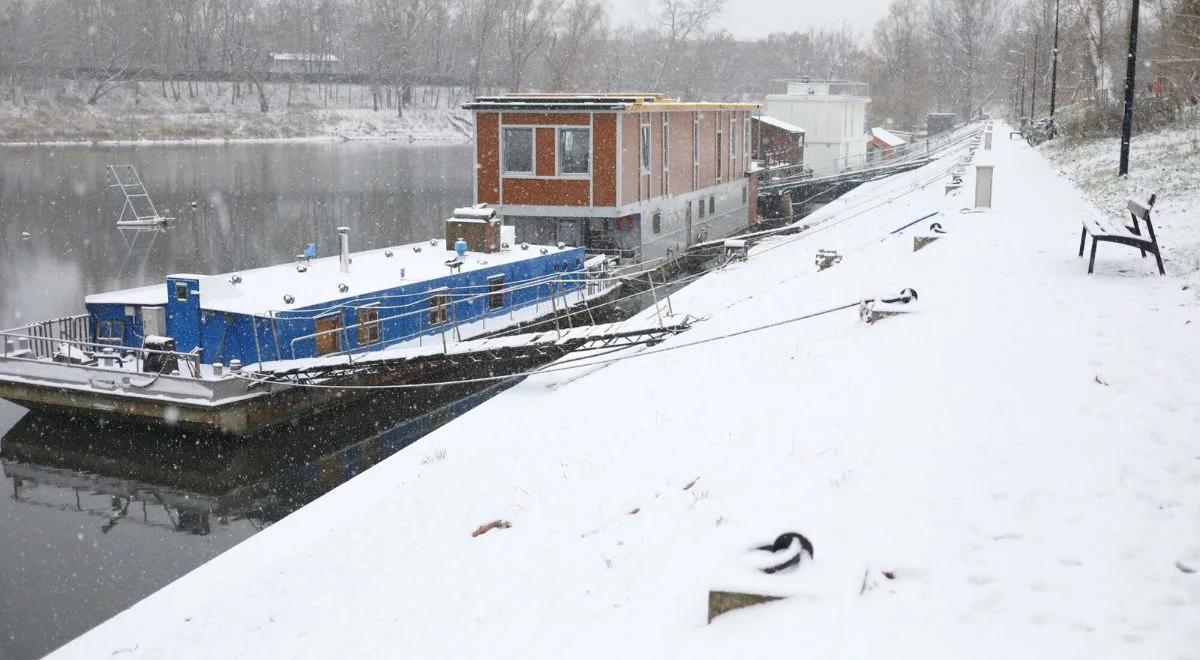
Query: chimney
[[344, 248]]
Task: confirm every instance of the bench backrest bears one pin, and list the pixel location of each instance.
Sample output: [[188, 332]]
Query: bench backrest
[[1141, 202]]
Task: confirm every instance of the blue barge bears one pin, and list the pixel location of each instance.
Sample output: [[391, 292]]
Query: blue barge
[[184, 351]]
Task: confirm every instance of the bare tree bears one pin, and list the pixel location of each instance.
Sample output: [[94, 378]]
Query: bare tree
[[679, 21], [581, 25], [527, 26]]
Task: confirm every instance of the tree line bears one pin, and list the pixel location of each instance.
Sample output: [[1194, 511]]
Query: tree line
[[923, 56]]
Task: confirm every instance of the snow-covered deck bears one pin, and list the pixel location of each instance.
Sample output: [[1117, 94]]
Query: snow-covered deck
[[1020, 454]]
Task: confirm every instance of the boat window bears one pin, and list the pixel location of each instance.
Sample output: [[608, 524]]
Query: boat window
[[666, 156], [518, 150], [574, 150], [328, 338], [495, 297], [181, 291], [111, 330], [701, 207], [712, 205], [718, 155], [743, 194], [657, 222], [438, 302], [368, 326], [645, 148]]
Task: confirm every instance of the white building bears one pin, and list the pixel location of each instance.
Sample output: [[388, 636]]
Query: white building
[[834, 116]]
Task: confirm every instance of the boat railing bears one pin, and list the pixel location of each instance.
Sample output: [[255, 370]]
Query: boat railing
[[591, 278], [19, 344], [41, 337]]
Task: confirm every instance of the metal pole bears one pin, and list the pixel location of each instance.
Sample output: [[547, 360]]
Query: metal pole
[[1130, 80], [1033, 70], [1023, 115], [1054, 67]]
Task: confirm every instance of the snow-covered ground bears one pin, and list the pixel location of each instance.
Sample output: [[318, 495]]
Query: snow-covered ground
[[1019, 453], [57, 114]]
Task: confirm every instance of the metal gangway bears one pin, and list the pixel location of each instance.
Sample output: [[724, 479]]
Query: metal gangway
[[139, 222]]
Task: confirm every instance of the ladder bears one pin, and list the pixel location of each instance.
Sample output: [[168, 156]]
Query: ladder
[[139, 222]]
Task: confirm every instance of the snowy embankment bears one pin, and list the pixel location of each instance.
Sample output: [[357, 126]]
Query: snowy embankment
[[139, 114], [1019, 453], [1167, 162]]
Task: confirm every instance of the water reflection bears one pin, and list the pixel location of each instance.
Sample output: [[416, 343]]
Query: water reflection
[[120, 473]]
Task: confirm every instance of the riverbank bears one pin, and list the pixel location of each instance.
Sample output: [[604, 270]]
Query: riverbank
[[60, 115], [1009, 467]]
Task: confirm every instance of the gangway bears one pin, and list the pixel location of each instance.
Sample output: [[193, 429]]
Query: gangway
[[498, 355]]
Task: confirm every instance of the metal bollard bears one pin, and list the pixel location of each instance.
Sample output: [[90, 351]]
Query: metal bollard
[[983, 185]]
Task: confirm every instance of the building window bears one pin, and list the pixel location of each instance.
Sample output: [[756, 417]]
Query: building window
[[687, 215], [368, 326], [718, 156], [695, 152], [701, 208], [438, 304], [744, 194], [656, 222], [732, 142], [110, 331], [666, 155], [518, 150], [574, 150], [495, 297], [712, 205], [181, 291], [746, 140], [645, 148]]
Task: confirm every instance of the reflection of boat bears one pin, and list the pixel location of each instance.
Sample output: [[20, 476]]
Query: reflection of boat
[[187, 351], [135, 474]]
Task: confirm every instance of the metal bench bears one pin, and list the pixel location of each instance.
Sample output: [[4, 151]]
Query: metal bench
[[1106, 229]]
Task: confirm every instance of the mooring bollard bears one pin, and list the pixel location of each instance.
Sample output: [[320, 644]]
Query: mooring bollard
[[983, 185]]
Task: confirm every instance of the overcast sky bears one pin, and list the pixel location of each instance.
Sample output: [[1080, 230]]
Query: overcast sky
[[749, 19]]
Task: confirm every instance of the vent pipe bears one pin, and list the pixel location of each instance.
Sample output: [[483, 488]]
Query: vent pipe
[[344, 248]]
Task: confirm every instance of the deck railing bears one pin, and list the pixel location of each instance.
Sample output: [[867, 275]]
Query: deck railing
[[41, 337], [589, 280], [34, 342]]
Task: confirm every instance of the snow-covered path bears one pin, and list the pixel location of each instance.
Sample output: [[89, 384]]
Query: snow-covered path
[[1022, 453]]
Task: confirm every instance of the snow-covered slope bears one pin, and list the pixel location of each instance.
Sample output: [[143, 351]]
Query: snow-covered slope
[[1020, 453]]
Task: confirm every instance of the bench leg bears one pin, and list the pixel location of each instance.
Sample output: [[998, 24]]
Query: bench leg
[[1158, 258], [1092, 261], [1082, 240], [1137, 229], [1157, 249]]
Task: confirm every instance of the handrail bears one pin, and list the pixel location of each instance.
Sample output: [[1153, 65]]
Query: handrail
[[119, 352], [579, 281]]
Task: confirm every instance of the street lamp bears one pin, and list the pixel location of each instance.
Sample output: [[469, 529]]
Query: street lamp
[[1033, 69], [1130, 77], [1054, 67], [1015, 52]]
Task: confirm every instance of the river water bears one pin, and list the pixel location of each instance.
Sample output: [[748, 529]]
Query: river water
[[94, 516]]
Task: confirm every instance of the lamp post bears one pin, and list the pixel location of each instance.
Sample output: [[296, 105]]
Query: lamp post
[[1054, 67], [1130, 78], [1015, 52]]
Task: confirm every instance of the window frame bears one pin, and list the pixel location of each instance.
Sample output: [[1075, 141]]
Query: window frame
[[438, 304], [645, 148], [656, 222], [558, 152], [495, 294], [720, 152], [666, 154], [732, 142], [183, 287], [504, 171], [712, 205], [701, 212], [695, 150], [104, 330], [369, 329]]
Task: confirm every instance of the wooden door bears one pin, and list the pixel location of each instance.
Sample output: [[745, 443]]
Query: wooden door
[[330, 342]]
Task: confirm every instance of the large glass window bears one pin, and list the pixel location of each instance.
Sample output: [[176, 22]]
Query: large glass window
[[518, 150], [495, 297], [574, 150], [645, 148]]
